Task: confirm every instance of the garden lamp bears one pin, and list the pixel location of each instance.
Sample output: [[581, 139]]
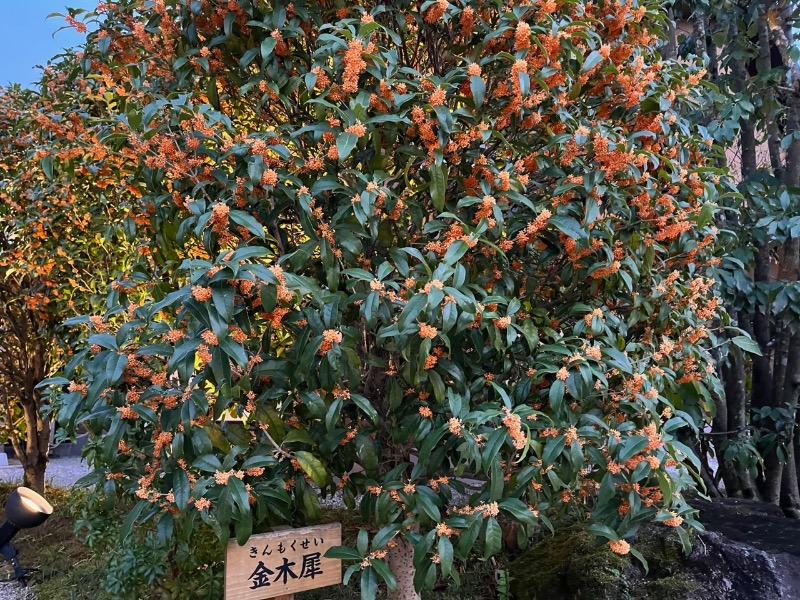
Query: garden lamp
[[24, 509]]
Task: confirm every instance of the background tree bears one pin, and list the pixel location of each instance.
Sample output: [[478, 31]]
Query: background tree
[[754, 113], [402, 242], [61, 239]]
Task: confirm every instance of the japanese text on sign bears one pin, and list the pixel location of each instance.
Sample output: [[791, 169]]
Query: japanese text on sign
[[282, 562]]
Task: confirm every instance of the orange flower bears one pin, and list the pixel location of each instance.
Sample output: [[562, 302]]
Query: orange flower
[[209, 337], [522, 36], [502, 322], [201, 294], [619, 546], [438, 97], [354, 65], [357, 129], [674, 521], [427, 331], [329, 338]]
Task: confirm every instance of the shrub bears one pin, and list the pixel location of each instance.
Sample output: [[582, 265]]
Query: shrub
[[400, 243]]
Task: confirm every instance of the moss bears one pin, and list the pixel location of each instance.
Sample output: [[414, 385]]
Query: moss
[[569, 565], [675, 587], [668, 579]]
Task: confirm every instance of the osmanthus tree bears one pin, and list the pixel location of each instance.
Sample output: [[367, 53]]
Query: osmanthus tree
[[406, 244], [61, 239]]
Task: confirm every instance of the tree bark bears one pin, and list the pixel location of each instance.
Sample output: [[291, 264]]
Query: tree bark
[[34, 459], [671, 47], [790, 495], [732, 418], [401, 561]]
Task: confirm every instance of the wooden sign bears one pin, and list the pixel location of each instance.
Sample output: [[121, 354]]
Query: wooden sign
[[282, 562]]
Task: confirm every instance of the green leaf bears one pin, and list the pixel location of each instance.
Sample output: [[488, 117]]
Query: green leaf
[[384, 535], [556, 394], [386, 574], [127, 525], [345, 144], [553, 449], [478, 88], [427, 507], [248, 57], [248, 222], [342, 553], [747, 344], [445, 118], [706, 214], [299, 436], [631, 446], [269, 297], [456, 250], [412, 308], [115, 367], [592, 60], [438, 186], [362, 542], [369, 584], [267, 46], [603, 531], [619, 359], [222, 297], [365, 406], [239, 494], [47, 166], [569, 227], [208, 463], [493, 538], [268, 416], [445, 554], [638, 556], [312, 467]]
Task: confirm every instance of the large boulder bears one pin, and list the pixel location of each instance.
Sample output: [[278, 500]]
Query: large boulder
[[749, 551]]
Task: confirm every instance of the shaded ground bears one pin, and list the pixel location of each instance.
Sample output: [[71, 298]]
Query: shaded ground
[[758, 524]]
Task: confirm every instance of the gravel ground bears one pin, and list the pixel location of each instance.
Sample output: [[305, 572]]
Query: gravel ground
[[11, 591], [61, 472]]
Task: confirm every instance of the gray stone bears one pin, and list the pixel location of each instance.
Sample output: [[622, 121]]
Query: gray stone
[[750, 551]]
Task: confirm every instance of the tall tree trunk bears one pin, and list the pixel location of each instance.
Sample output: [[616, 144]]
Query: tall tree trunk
[[37, 446], [401, 561], [671, 47], [730, 424], [790, 494]]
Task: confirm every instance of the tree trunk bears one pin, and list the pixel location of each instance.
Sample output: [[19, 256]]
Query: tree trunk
[[37, 446], [790, 495], [731, 419], [671, 47], [401, 562]]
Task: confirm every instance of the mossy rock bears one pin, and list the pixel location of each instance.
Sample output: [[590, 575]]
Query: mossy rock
[[571, 565]]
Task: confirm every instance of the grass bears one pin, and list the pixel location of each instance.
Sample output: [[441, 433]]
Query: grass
[[69, 571]]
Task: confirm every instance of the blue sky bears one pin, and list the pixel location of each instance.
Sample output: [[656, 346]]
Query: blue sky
[[26, 36]]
